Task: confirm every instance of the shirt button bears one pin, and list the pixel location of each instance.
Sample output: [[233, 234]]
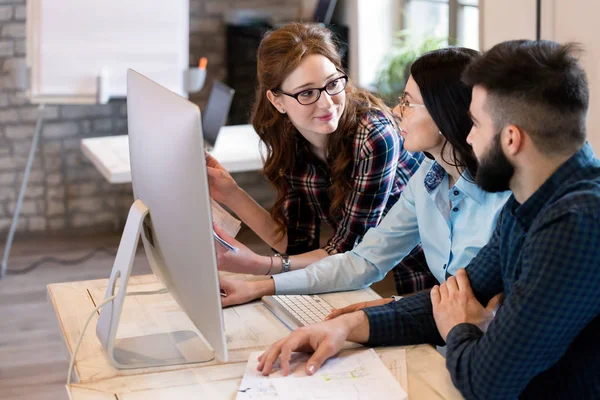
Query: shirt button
[[444, 266], [455, 209], [456, 192]]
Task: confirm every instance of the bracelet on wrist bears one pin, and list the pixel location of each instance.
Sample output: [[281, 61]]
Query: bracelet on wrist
[[271, 267]]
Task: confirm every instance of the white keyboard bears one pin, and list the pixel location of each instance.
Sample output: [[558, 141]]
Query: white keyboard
[[298, 310]]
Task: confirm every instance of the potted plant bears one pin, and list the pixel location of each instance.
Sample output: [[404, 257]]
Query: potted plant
[[395, 67]]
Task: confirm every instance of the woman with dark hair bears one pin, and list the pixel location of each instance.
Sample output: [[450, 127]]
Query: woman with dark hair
[[440, 207], [334, 154]]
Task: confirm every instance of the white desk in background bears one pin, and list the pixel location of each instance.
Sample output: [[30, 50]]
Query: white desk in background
[[238, 149]]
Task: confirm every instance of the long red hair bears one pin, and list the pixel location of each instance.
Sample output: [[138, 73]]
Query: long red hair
[[279, 54]]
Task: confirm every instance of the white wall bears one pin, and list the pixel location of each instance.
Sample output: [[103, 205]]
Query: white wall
[[575, 21], [372, 24], [503, 20], [562, 21]]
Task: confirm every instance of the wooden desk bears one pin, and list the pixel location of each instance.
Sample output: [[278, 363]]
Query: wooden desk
[[237, 149], [250, 327]]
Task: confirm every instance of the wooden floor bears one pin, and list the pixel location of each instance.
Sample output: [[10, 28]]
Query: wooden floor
[[33, 358]]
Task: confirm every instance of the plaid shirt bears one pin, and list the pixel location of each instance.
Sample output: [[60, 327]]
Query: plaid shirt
[[381, 168], [545, 256]]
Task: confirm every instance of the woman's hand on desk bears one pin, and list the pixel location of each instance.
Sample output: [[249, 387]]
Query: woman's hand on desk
[[325, 339], [221, 184], [357, 306], [240, 291]]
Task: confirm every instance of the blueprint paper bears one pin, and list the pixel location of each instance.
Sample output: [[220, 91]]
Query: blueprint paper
[[352, 375]]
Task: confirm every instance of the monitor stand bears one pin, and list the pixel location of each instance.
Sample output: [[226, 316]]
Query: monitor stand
[[171, 348]]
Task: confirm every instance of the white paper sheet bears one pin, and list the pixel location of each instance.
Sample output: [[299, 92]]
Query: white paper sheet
[[352, 375], [223, 219]]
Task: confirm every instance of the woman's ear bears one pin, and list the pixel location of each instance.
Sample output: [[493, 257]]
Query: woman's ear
[[276, 101]]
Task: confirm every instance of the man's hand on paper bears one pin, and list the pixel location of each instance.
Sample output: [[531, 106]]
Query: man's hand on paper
[[221, 185], [454, 303], [325, 339]]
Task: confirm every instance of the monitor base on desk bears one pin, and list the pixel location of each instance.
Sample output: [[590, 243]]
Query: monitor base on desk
[[169, 348], [172, 348]]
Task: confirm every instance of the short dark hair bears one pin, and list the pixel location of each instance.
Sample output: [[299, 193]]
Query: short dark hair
[[447, 99], [539, 86]]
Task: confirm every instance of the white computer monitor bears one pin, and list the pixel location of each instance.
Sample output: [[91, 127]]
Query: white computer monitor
[[172, 214]]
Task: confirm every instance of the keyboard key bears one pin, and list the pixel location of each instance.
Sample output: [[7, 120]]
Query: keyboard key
[[308, 309]]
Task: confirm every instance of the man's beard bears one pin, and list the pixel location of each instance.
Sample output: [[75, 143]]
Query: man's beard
[[495, 171]]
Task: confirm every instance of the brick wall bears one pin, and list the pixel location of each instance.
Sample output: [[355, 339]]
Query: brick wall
[[66, 194]]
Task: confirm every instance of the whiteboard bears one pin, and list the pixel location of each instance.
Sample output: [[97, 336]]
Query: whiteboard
[[72, 43]]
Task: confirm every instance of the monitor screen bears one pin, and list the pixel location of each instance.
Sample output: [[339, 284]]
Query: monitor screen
[[216, 111]]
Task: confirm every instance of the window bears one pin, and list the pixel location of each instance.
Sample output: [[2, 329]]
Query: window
[[457, 20]]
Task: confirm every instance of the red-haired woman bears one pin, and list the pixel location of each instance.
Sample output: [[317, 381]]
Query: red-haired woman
[[334, 154]]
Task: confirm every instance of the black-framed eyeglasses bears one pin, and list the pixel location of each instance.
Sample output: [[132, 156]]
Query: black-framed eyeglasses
[[312, 95]]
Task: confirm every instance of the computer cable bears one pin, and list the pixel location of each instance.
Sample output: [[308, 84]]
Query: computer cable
[[98, 307], [67, 262]]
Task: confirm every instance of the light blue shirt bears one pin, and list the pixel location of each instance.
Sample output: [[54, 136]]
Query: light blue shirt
[[451, 224]]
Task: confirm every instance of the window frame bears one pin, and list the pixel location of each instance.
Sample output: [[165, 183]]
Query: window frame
[[454, 10]]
